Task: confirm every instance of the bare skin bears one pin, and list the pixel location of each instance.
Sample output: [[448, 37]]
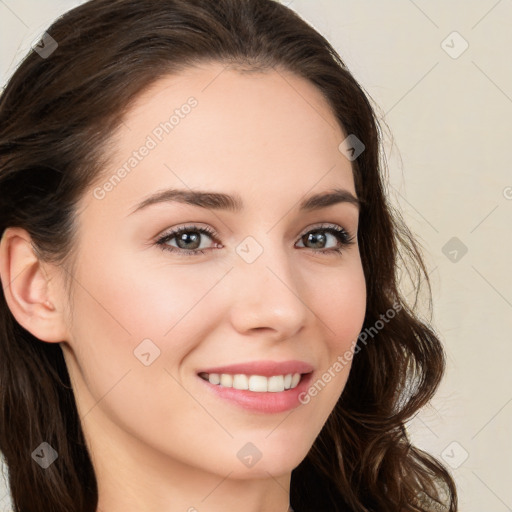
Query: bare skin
[[159, 442]]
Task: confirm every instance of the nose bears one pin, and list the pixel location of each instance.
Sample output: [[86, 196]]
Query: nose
[[267, 295]]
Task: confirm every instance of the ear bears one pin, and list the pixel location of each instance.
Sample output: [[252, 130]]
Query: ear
[[30, 293]]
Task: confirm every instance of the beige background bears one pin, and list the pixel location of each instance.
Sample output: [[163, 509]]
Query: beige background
[[449, 113]]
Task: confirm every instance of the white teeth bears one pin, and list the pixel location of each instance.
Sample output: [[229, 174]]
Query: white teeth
[[256, 383], [226, 380], [214, 378], [240, 381], [276, 383]]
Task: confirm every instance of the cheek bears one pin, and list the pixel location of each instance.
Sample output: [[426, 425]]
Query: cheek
[[132, 322], [123, 309], [340, 303], [134, 298]]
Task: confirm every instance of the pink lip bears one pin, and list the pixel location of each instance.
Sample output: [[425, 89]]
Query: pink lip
[[264, 368], [268, 402]]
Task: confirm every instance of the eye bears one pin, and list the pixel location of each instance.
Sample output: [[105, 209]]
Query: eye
[[188, 239], [317, 237], [187, 244]]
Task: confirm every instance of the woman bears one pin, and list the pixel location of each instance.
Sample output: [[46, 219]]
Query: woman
[[199, 264]]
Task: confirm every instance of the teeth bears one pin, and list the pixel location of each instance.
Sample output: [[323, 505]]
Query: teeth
[[226, 380], [295, 379], [240, 382], [256, 383], [214, 378]]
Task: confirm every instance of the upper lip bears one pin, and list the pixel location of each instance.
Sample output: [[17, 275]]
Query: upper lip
[[264, 368]]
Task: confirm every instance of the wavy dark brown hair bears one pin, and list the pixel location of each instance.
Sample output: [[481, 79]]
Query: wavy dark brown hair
[[57, 115]]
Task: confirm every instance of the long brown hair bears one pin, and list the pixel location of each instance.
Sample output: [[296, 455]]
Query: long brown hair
[[56, 116]]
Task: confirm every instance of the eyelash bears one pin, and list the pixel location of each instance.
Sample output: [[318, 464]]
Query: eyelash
[[340, 233]]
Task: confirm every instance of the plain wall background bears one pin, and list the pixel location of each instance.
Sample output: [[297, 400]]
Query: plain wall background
[[449, 112]]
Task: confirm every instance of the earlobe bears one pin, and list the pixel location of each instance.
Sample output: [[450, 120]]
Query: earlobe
[[26, 287]]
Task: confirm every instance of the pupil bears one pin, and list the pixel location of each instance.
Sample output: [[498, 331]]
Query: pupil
[[317, 238], [184, 238]]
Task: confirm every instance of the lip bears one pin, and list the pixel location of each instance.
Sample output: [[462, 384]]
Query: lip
[[263, 402], [263, 368]]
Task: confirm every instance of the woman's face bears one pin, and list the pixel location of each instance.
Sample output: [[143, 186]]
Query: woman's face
[[150, 312]]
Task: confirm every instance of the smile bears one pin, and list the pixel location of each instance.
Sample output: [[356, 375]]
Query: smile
[[256, 383]]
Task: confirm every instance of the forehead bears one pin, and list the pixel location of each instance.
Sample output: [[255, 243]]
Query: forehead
[[212, 127]]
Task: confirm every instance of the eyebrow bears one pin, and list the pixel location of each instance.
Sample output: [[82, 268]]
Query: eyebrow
[[234, 203]]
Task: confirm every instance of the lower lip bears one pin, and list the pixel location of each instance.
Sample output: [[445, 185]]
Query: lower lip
[[267, 402]]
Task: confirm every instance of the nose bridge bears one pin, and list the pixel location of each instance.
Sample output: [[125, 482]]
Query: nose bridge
[[267, 291]]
